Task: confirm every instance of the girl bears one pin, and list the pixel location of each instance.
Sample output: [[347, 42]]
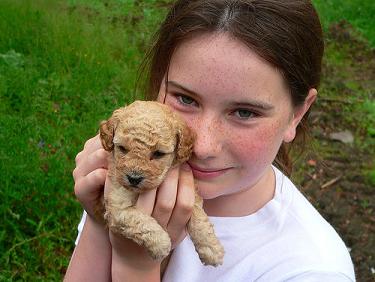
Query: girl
[[243, 74]]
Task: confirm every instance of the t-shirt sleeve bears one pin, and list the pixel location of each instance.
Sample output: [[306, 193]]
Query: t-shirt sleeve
[[80, 226], [318, 276]]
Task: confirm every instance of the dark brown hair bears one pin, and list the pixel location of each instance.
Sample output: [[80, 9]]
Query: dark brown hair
[[286, 33]]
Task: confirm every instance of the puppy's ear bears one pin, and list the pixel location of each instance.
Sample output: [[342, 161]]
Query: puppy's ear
[[185, 142], [107, 130]]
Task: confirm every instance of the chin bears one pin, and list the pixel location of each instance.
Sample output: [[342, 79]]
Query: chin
[[207, 196], [209, 191]]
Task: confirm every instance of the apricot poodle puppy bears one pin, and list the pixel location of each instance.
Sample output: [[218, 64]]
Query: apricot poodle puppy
[[147, 139]]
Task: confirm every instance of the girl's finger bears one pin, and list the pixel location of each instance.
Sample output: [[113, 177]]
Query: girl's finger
[[90, 146], [89, 186], [184, 203], [97, 159], [146, 201], [166, 197]]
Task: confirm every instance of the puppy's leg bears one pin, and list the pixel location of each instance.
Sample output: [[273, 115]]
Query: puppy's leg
[[142, 229], [124, 219], [202, 233]]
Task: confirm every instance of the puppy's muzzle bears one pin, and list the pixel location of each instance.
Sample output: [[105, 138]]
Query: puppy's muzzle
[[134, 179]]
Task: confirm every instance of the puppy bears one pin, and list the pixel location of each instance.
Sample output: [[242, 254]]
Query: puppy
[[146, 139]]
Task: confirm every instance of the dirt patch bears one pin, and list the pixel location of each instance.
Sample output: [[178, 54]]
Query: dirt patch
[[335, 177]]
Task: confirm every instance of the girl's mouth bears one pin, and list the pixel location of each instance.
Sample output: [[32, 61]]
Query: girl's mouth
[[206, 173]]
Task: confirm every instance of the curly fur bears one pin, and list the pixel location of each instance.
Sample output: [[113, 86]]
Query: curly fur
[[146, 139]]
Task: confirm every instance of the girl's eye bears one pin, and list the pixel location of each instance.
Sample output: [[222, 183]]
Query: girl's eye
[[244, 113], [186, 100]]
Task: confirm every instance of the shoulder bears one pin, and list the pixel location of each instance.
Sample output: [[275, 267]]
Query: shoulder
[[298, 216], [307, 241]]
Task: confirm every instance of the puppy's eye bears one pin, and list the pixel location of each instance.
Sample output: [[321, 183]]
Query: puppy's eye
[[157, 155], [122, 149]]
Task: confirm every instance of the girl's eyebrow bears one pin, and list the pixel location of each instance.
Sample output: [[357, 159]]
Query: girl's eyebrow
[[177, 85], [253, 104], [247, 103]]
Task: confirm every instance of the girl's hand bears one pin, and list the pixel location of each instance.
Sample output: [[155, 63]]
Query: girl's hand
[[171, 205], [174, 202], [90, 174]]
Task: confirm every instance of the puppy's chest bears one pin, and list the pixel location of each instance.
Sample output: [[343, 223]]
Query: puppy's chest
[[121, 197]]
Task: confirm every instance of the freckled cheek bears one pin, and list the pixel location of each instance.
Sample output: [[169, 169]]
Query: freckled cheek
[[191, 121], [258, 148]]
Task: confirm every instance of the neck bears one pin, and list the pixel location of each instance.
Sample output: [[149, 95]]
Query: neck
[[245, 202]]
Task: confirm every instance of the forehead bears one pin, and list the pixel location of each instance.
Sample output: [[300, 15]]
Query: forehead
[[145, 133], [220, 64]]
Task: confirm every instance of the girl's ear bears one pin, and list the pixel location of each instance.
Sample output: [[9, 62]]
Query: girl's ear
[[298, 114], [107, 130]]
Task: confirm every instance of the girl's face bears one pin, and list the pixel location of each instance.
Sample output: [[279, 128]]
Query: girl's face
[[241, 110]]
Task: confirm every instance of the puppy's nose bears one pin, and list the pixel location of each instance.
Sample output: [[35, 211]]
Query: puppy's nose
[[134, 179]]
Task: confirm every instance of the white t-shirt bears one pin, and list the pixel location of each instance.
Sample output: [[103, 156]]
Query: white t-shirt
[[286, 240]]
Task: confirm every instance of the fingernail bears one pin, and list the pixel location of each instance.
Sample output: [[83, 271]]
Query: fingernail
[[186, 167]]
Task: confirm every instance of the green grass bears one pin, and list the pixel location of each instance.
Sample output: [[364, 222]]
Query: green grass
[[64, 66], [351, 83], [359, 13]]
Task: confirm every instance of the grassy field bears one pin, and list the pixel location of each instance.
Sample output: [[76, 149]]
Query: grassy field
[[357, 12], [65, 65]]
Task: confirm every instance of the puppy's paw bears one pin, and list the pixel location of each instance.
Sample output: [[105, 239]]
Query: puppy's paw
[[211, 255], [160, 247]]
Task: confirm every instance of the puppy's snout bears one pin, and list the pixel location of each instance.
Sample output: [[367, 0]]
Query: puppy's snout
[[134, 179]]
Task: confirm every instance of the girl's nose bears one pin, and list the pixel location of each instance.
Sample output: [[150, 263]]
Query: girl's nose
[[208, 143]]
